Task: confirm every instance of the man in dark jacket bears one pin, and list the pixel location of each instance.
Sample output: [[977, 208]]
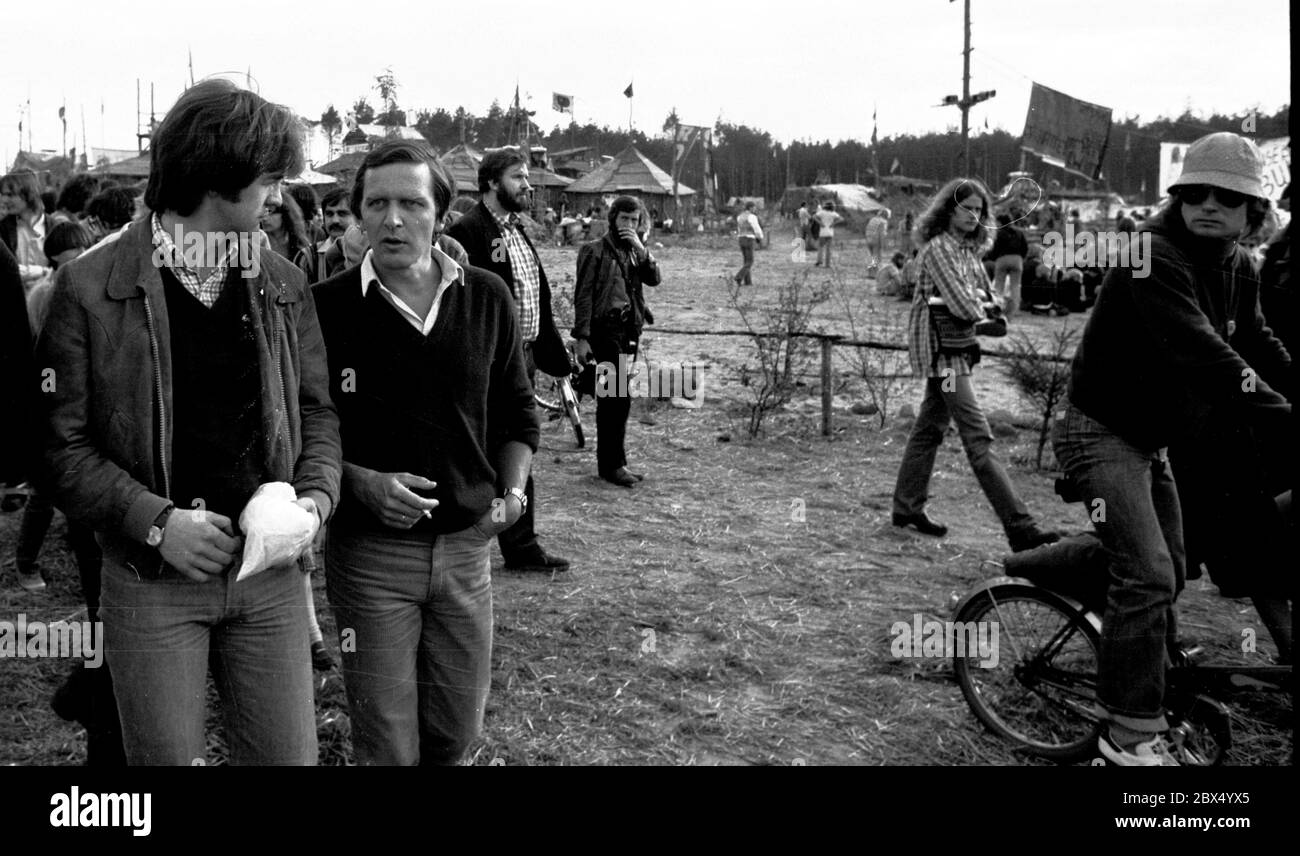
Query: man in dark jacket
[[1160, 355], [493, 236], [609, 312], [183, 379]]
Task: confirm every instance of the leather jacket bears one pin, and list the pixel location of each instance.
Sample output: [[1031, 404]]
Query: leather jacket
[[106, 365]]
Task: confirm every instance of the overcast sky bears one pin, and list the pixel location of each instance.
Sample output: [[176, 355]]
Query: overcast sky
[[812, 70]]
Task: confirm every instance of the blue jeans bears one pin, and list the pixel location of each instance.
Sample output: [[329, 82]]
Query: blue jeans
[[939, 408], [160, 636], [1133, 504], [415, 630]]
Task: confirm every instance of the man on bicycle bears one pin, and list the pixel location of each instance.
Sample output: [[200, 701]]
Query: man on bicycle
[[1159, 354]]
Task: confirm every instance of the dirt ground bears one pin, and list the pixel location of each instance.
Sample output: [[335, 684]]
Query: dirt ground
[[735, 607]]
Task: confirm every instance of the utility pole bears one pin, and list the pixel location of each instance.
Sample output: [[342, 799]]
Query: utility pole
[[966, 100], [965, 93]]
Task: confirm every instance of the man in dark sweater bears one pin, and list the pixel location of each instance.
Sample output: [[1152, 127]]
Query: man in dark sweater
[[191, 370], [1160, 356], [494, 238], [439, 429]]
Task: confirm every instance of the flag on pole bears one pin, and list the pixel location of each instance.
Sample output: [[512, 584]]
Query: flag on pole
[[61, 111], [628, 91], [874, 140], [895, 167], [562, 103]]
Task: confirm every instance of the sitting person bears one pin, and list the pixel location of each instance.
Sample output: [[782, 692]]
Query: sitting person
[[889, 281]]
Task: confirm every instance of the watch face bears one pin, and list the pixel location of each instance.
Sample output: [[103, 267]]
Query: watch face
[[154, 538]]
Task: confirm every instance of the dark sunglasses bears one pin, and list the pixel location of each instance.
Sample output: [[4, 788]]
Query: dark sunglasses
[[1195, 194]]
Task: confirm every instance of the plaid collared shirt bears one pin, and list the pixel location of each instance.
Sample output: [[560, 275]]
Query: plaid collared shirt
[[527, 287], [206, 290], [950, 270]]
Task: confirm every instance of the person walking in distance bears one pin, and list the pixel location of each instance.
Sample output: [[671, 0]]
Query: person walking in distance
[[751, 234], [827, 217]]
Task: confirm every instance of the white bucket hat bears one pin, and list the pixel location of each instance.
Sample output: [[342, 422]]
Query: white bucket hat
[[1224, 160]]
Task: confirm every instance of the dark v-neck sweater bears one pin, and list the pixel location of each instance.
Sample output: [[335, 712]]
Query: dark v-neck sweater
[[439, 406], [217, 454]]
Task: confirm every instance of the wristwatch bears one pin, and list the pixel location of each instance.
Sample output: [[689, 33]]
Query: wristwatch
[[155, 536], [519, 495]]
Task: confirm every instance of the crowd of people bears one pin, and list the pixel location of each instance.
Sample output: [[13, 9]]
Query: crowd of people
[[381, 357]]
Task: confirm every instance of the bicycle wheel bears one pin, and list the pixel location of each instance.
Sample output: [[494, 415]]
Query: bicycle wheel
[[547, 393], [1041, 693]]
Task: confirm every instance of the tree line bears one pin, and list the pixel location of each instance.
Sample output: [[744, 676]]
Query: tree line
[[749, 162]]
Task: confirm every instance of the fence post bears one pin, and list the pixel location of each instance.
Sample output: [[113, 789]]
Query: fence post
[[828, 343]]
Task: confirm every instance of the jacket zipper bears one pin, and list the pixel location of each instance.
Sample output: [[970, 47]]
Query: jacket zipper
[[158, 391], [284, 396]]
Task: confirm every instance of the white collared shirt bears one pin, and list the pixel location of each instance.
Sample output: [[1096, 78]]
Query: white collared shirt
[[451, 273]]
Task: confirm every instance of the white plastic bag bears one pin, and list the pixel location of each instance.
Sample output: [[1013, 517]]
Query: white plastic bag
[[276, 530]]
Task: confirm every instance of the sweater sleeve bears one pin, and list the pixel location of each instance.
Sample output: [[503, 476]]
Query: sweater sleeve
[[1165, 303], [584, 291]]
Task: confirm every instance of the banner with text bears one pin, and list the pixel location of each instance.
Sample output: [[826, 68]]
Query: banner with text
[[1066, 132]]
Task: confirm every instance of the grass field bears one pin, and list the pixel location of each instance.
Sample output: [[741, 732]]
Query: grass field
[[735, 607]]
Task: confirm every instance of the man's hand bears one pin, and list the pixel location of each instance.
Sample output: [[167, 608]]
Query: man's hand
[[634, 241], [582, 352], [503, 514], [199, 544], [309, 504], [390, 498]]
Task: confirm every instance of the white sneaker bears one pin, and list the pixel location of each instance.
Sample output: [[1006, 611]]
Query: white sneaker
[[32, 582], [1152, 753]]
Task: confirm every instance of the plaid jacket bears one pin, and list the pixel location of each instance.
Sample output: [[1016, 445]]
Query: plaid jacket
[[950, 270]]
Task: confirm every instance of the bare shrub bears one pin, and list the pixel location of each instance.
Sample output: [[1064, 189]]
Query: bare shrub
[[782, 349], [1041, 375]]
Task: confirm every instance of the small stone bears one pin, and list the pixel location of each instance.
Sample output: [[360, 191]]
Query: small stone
[[1001, 415], [864, 408], [724, 438], [906, 412]]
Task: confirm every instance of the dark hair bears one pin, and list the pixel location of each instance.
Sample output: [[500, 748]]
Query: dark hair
[[49, 200], [113, 207], [404, 151], [936, 219], [78, 191], [623, 204], [337, 196], [220, 139], [27, 184], [898, 259], [1004, 219], [305, 196], [495, 164], [66, 236]]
